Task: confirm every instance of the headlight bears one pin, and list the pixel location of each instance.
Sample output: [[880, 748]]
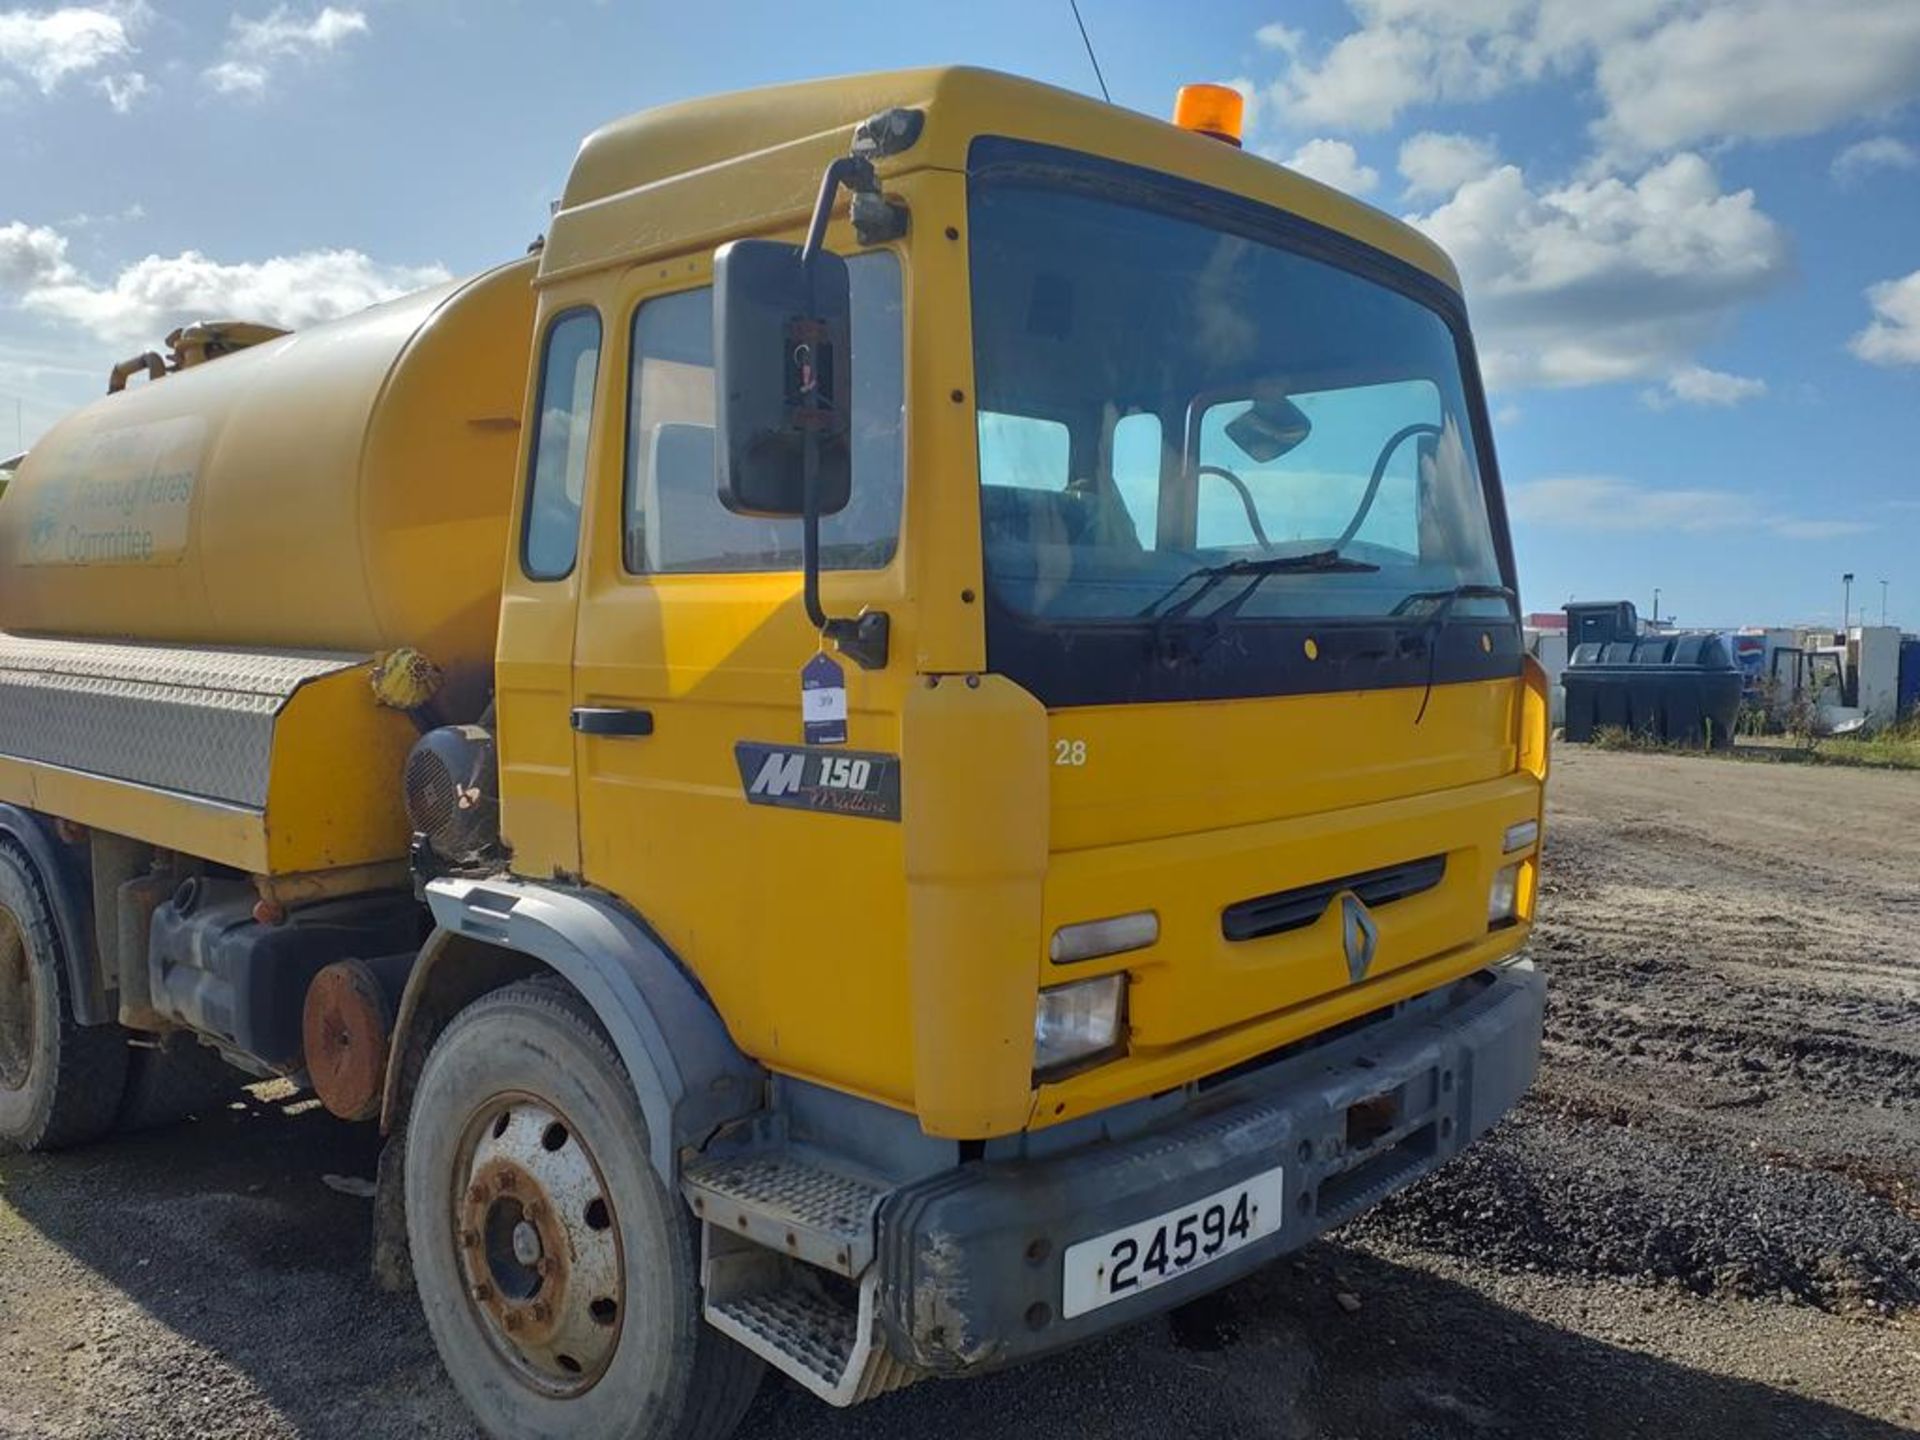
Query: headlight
[[1073, 1022], [1093, 938], [1503, 897]]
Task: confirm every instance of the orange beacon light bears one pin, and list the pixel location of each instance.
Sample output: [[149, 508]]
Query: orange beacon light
[[1215, 110]]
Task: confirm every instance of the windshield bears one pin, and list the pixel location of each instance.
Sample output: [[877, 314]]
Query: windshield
[[1156, 396]]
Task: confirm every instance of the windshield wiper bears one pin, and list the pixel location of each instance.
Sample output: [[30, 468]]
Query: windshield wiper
[[1459, 592], [1430, 631], [1255, 572], [1327, 561]]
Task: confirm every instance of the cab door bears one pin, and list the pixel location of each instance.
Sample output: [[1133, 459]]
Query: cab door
[[690, 644], [533, 665]]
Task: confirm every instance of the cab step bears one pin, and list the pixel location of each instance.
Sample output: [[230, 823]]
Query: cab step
[[824, 1340], [790, 1205]]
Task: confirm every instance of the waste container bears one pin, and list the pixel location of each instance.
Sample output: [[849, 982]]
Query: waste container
[[1681, 689]]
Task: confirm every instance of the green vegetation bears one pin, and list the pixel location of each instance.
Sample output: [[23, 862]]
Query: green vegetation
[[1894, 748], [1620, 737]]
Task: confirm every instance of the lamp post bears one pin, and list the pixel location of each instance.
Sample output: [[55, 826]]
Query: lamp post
[[1883, 604], [1846, 603], [1656, 605]]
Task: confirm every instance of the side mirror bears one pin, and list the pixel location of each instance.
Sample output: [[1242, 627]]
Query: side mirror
[[782, 351]]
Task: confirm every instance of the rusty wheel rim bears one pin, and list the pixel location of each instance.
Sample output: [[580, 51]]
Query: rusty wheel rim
[[539, 1245], [16, 1005]]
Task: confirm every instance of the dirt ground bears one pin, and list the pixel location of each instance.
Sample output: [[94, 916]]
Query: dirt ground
[[1704, 1222]]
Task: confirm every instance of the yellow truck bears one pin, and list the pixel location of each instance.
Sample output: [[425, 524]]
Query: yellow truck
[[908, 743]]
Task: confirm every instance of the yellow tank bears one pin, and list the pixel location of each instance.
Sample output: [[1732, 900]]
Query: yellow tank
[[345, 488]]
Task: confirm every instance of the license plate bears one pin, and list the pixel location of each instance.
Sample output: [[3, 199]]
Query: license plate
[[1125, 1262]]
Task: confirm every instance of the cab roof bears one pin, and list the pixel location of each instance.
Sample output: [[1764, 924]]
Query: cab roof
[[791, 131]]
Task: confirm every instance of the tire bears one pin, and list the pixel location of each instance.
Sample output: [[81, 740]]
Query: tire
[[172, 1079], [524, 1120], [60, 1083]]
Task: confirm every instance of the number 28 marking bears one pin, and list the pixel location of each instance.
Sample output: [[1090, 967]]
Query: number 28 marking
[[1069, 752]]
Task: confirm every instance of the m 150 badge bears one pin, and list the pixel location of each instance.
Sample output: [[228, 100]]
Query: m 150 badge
[[833, 782]]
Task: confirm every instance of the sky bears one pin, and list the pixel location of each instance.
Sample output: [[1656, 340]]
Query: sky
[[1689, 229]]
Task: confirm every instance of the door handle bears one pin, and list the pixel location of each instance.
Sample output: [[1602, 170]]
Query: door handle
[[611, 720]]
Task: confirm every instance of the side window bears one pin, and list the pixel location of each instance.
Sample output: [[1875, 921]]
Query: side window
[[568, 368], [674, 518], [1136, 471], [1024, 451]]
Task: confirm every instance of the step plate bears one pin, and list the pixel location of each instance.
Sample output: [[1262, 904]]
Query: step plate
[[793, 1208], [808, 1331], [830, 1346]]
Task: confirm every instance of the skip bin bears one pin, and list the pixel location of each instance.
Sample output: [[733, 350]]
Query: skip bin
[[1682, 689]]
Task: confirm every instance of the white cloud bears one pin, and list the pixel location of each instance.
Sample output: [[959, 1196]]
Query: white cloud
[[1435, 164], [1883, 152], [1597, 503], [50, 47], [1405, 53], [1604, 279], [236, 77], [1283, 38], [152, 296], [87, 220], [1759, 69], [1668, 73], [1370, 76], [1894, 336], [1697, 385], [1335, 163], [256, 47], [1789, 529], [31, 255], [1252, 97], [123, 91]]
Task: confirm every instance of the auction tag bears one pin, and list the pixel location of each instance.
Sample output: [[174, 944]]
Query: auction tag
[[823, 701]]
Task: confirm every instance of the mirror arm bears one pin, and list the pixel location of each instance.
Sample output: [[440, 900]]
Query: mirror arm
[[864, 637], [857, 174]]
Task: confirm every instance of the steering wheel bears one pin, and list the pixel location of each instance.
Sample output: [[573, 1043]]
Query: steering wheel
[[1246, 500]]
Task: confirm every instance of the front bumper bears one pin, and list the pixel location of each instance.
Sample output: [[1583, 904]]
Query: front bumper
[[971, 1259]]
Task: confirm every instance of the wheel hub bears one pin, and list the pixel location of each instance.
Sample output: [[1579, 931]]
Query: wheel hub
[[539, 1247], [16, 1005], [526, 1243]]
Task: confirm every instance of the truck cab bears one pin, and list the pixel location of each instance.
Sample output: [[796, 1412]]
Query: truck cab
[[1008, 790], [1201, 735]]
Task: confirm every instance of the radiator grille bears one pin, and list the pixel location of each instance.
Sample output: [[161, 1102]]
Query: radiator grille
[[1299, 907]]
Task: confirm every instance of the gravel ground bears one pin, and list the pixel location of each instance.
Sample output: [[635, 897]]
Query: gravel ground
[[1704, 1222]]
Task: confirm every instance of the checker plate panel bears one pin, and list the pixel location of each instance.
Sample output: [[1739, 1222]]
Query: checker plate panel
[[197, 720]]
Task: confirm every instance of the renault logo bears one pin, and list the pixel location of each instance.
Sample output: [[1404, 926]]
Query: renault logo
[[1360, 936]]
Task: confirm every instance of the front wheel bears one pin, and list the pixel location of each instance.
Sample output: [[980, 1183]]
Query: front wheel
[[558, 1275], [60, 1083]]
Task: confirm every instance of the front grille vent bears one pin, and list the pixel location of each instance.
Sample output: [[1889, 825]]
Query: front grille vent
[[1298, 908]]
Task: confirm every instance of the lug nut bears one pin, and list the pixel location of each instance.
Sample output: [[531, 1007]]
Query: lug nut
[[470, 1238], [542, 1311], [536, 1210], [545, 1267], [508, 1180], [513, 1320], [482, 1293], [477, 1194]]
